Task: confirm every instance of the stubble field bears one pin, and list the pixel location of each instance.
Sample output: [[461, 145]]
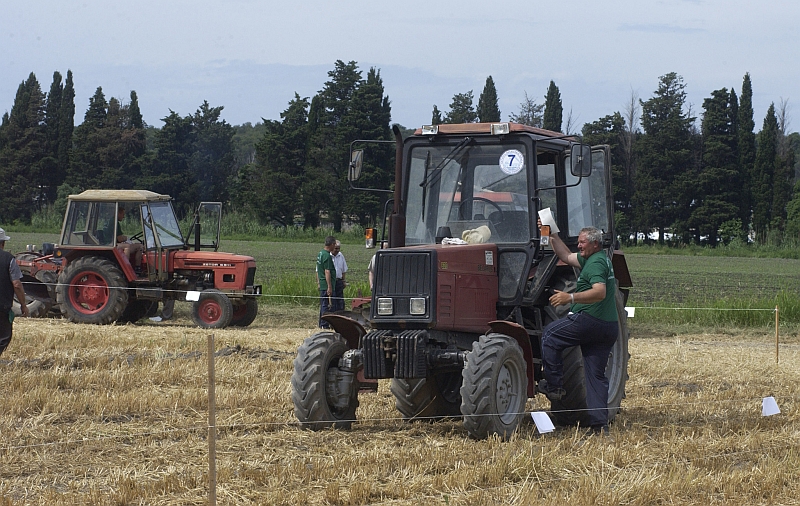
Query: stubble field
[[118, 415]]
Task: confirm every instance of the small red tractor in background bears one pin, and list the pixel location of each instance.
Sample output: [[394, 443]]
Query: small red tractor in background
[[89, 278]]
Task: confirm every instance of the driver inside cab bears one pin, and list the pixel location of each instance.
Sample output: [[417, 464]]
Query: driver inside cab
[[132, 250]]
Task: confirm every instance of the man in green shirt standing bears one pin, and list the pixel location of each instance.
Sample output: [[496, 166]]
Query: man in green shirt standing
[[326, 277], [592, 324]]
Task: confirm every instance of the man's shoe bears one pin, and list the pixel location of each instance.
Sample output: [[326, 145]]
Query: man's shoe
[[554, 394], [597, 430]]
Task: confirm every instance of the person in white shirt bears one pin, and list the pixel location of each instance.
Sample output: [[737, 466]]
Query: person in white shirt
[[341, 270]]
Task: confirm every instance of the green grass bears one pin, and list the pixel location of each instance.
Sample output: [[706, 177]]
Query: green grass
[[667, 289]]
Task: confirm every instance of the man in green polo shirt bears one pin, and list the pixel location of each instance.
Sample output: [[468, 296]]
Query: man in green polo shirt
[[592, 324], [326, 277]]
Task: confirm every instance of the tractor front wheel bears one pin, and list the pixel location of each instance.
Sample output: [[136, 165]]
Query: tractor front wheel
[[92, 290], [323, 394], [213, 310], [495, 387]]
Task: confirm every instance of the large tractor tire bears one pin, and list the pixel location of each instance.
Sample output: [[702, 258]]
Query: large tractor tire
[[572, 409], [213, 310], [92, 290], [36, 308], [428, 398], [495, 387], [245, 314], [318, 401]]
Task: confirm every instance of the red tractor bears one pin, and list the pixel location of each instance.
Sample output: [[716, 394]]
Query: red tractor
[[457, 325], [98, 274]]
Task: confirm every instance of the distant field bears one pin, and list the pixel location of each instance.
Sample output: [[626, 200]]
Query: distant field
[[286, 271]]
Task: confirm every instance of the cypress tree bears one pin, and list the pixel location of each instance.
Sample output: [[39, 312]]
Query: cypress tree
[[716, 199], [746, 145], [664, 180], [66, 127], [24, 147], [488, 110], [553, 109], [134, 113], [436, 116], [763, 174], [52, 124]]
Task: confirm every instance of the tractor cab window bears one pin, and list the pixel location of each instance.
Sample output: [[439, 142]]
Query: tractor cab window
[[89, 224], [453, 188]]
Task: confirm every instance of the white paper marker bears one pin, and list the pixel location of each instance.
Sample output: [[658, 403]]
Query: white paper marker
[[546, 215], [193, 295], [631, 311], [543, 422], [769, 407]]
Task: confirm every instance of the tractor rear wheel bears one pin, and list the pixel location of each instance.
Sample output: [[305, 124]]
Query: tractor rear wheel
[[495, 387], [213, 310], [92, 290], [428, 398], [244, 314], [321, 394]]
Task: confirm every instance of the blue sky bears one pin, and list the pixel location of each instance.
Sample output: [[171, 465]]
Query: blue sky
[[252, 56]]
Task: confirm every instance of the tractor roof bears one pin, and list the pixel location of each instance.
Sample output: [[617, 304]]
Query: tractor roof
[[120, 196], [486, 128]]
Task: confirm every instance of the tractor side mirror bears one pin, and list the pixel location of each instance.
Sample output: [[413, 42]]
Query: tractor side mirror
[[356, 160], [580, 157]]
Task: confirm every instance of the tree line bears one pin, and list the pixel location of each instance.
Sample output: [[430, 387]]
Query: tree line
[[717, 183]]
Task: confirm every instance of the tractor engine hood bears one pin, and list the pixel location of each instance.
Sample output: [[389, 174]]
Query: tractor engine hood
[[188, 259]]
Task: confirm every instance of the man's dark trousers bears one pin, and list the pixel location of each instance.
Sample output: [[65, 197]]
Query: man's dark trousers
[[338, 295], [596, 338], [325, 306]]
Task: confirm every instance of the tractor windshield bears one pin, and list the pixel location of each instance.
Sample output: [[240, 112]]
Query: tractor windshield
[[165, 225], [458, 187]]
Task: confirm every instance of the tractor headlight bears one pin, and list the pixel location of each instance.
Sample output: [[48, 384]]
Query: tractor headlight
[[417, 306], [385, 306]]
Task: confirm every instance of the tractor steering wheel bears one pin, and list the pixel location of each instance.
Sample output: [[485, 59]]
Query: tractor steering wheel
[[494, 204], [136, 237]]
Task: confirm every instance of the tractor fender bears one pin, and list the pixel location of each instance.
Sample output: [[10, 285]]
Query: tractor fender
[[520, 335], [349, 329]]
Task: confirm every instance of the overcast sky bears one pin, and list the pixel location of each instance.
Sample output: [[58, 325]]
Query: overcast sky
[[251, 56]]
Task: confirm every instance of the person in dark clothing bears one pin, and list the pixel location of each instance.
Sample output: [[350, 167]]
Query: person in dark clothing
[[10, 285], [326, 277], [592, 324]]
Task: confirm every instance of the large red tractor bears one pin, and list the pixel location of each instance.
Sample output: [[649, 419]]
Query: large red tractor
[[457, 327]]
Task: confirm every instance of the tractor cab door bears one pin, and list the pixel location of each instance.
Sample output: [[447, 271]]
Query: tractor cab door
[[206, 226], [589, 202]]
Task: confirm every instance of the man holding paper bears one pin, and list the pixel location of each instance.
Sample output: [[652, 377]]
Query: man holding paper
[[591, 324]]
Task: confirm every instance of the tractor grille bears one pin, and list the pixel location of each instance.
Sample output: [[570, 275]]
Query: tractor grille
[[251, 276], [401, 275]]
